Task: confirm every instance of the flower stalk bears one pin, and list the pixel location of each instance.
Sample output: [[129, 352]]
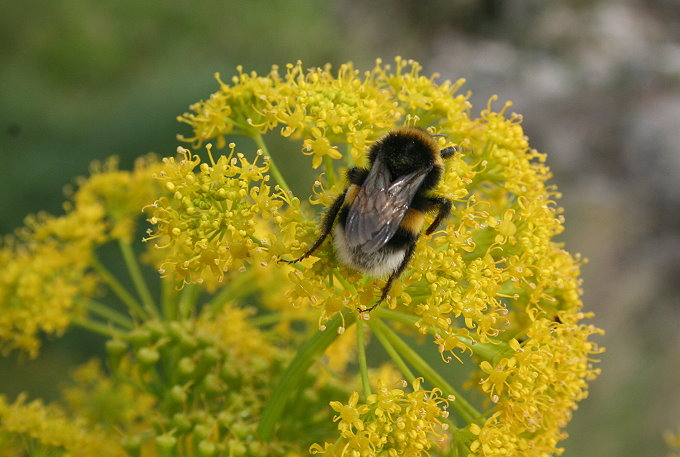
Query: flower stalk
[[274, 170], [117, 287], [137, 278], [108, 313], [460, 405], [361, 353], [291, 378]]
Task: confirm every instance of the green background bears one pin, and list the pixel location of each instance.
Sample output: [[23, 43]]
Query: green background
[[597, 81]]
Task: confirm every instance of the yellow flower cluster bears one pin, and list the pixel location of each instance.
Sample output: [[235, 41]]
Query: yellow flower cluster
[[492, 276], [495, 253], [39, 285], [233, 108], [391, 423], [536, 389], [120, 194], [210, 390], [46, 430], [316, 105], [46, 264], [492, 282], [108, 401], [211, 221], [201, 384]]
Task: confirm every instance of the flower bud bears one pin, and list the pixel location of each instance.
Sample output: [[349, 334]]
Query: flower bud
[[115, 349], [178, 394], [206, 448], [166, 444], [148, 356], [139, 337], [186, 366]]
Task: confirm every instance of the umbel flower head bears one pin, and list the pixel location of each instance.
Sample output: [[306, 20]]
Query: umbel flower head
[[492, 289], [47, 275], [493, 282], [495, 255]]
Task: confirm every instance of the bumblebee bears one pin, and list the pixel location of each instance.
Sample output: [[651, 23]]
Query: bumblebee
[[382, 211]]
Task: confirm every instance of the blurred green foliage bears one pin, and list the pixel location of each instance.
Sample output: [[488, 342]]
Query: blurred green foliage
[[85, 80]]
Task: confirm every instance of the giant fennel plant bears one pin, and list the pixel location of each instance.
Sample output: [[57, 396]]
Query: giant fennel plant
[[485, 349]]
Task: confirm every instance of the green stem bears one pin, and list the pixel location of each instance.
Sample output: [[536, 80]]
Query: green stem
[[266, 319], [108, 313], [241, 286], [460, 405], [345, 283], [274, 170], [118, 289], [330, 172], [187, 300], [397, 316], [97, 327], [137, 278], [363, 366], [392, 352], [258, 241], [349, 160], [291, 378], [169, 299], [485, 351], [399, 362]]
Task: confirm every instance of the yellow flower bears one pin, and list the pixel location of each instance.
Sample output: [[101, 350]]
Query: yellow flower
[[46, 272], [349, 414], [319, 146], [392, 422], [207, 380], [536, 390], [234, 108], [29, 427], [41, 282], [121, 194], [495, 382], [209, 223]]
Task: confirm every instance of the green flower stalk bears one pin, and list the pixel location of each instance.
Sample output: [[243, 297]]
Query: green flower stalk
[[242, 355]]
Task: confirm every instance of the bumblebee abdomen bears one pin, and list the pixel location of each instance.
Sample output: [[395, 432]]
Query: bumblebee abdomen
[[378, 264], [413, 221]]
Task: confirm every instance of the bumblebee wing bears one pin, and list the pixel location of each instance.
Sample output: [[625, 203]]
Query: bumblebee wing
[[400, 196], [364, 217], [379, 207]]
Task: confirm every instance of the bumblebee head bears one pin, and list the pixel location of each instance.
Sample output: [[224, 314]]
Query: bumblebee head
[[405, 150]]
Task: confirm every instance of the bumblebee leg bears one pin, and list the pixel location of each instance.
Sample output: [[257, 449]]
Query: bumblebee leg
[[444, 208], [395, 274], [326, 227]]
